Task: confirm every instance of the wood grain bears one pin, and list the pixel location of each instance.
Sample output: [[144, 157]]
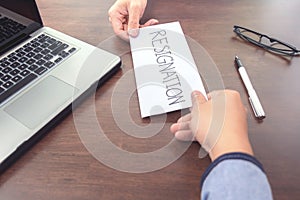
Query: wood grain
[[60, 167]]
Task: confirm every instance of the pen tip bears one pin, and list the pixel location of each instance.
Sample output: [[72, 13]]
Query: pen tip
[[236, 57]]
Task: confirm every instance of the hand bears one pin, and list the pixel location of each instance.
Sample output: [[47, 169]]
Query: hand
[[125, 15], [219, 124]]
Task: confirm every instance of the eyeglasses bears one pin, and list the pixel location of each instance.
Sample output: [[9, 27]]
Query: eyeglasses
[[266, 42]]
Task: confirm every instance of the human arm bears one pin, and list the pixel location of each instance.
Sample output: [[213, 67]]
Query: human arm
[[235, 176], [125, 15], [219, 124]]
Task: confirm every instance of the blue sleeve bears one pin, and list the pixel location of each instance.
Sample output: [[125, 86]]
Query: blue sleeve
[[235, 176]]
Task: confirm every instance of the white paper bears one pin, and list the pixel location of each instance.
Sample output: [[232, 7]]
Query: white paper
[[165, 71]]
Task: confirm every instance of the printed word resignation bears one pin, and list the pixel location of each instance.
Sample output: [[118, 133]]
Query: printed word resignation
[[167, 68]]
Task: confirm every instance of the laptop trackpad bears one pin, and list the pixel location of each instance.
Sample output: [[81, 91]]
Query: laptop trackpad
[[42, 101]]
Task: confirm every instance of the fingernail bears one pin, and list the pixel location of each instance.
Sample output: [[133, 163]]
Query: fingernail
[[154, 21], [133, 32], [194, 94]]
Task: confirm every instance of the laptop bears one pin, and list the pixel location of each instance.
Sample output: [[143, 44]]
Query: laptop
[[43, 73]]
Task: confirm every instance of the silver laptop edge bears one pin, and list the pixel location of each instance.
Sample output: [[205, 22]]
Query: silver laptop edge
[[28, 112]]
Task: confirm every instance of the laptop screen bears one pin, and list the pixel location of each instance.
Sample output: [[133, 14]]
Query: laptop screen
[[18, 19]]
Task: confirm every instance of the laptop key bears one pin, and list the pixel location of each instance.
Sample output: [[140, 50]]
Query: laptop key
[[37, 50], [72, 50], [41, 62], [40, 70], [21, 53], [63, 54], [43, 38], [51, 40], [35, 44], [55, 45], [48, 57], [14, 72], [20, 50], [33, 67], [8, 84], [45, 51], [6, 78], [13, 59], [6, 70], [23, 59], [59, 49], [49, 64], [11, 55], [30, 61], [23, 66], [5, 64], [30, 54], [16, 79], [24, 73], [38, 56], [58, 60], [28, 49], [15, 88], [15, 64], [45, 45]]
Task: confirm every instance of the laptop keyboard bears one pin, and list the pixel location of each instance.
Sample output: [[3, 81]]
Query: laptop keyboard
[[29, 62]]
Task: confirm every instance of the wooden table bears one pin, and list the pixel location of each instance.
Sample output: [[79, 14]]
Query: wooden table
[[60, 167]]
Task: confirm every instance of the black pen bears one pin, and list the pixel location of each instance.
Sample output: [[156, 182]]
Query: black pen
[[253, 98]]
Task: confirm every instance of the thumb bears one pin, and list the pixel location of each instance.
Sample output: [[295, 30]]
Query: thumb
[[133, 19], [133, 23], [198, 97], [197, 112]]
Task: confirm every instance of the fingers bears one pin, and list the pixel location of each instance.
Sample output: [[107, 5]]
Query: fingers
[[185, 118], [182, 131], [135, 32], [150, 22], [186, 135], [125, 16], [182, 124], [118, 27], [198, 97], [118, 20], [135, 11], [179, 126]]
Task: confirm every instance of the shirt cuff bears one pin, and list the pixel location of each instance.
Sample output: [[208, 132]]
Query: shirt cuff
[[231, 156]]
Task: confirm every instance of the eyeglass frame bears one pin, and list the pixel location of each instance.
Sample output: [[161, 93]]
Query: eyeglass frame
[[292, 51]]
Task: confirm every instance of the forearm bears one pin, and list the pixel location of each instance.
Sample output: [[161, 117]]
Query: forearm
[[235, 176]]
